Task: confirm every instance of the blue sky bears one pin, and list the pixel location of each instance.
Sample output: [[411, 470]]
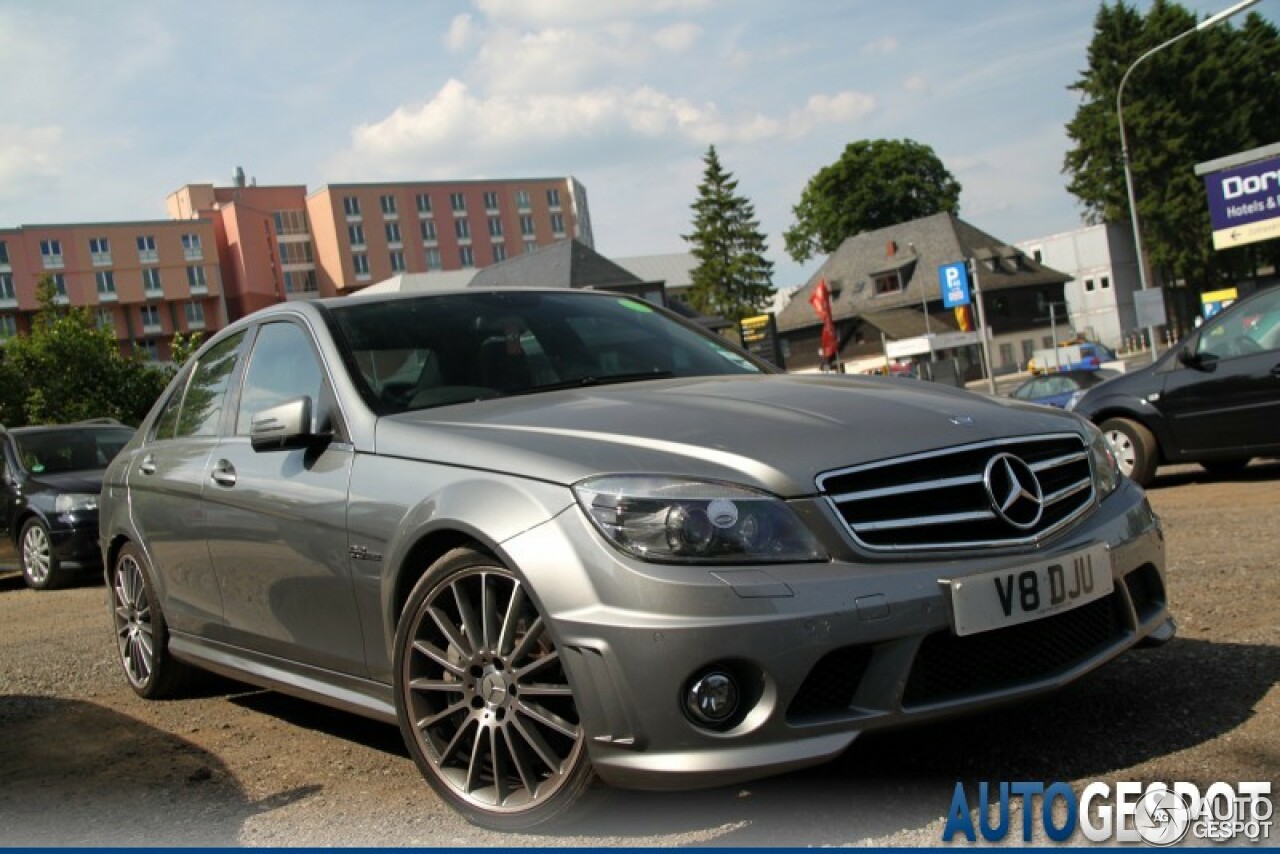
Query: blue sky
[[108, 107]]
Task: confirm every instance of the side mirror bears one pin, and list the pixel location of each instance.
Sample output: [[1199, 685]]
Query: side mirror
[[1187, 356], [283, 426]]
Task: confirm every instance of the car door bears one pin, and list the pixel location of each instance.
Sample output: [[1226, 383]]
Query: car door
[[277, 529], [1230, 400], [166, 479]]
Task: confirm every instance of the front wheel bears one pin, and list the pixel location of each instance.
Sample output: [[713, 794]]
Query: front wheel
[[41, 570], [1135, 448], [483, 701]]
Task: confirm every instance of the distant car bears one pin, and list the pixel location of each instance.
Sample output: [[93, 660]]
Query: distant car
[[1086, 356], [1060, 389], [1214, 399], [50, 477], [556, 534]]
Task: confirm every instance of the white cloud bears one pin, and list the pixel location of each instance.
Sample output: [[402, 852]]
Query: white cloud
[[458, 36], [550, 12], [880, 47], [917, 83], [29, 153], [678, 37]]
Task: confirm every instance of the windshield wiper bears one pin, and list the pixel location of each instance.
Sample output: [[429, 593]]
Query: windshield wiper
[[584, 382]]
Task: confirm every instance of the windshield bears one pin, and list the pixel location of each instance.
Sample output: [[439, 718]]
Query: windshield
[[436, 350], [70, 449]]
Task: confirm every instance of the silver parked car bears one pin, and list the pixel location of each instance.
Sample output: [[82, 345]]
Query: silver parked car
[[561, 534]]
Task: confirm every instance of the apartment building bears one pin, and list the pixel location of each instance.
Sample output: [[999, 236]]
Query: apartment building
[[144, 280], [279, 243]]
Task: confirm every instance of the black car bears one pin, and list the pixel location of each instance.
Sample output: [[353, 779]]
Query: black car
[[50, 477], [1214, 399]]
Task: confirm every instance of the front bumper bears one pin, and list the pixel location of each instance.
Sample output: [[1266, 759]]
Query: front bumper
[[76, 543], [834, 649]]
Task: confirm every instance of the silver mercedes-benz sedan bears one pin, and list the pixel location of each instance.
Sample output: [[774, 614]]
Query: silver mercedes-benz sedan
[[560, 534]]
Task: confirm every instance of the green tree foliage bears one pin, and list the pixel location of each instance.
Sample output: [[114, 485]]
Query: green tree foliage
[[1211, 94], [876, 183], [733, 279], [67, 369]]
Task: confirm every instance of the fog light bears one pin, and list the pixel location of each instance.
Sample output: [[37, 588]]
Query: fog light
[[712, 698]]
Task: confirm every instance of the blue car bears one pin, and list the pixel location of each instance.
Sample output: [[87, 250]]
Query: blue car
[[1059, 389]]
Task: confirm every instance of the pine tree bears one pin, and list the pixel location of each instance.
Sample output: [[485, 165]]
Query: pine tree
[[733, 278]]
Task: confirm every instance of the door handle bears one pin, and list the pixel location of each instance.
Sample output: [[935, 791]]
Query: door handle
[[148, 465], [224, 474]]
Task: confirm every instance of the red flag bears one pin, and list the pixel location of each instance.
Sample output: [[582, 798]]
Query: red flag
[[820, 299]]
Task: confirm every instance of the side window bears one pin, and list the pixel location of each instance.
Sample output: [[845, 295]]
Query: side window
[[1239, 332], [167, 422], [206, 393], [283, 366]]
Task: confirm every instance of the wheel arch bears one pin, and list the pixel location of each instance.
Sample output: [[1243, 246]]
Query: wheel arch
[[1154, 424]]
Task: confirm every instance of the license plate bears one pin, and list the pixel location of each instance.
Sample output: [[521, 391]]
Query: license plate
[[1007, 597]]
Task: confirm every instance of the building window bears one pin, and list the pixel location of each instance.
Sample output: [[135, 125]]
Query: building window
[[1028, 349], [106, 283], [8, 326], [553, 199], [1006, 353], [890, 283], [300, 281], [59, 287], [388, 205], [195, 315], [458, 202], [499, 252], [397, 261], [100, 251], [355, 234], [433, 259], [462, 228], [51, 254], [1088, 285], [1046, 341], [6, 287], [147, 249], [4, 254], [106, 319], [557, 224], [522, 200], [495, 226], [150, 318], [191, 248], [468, 259], [360, 262], [491, 201], [530, 246], [1105, 283], [150, 350], [393, 232], [428, 230], [290, 222], [424, 204], [151, 279], [351, 205], [296, 253], [526, 225], [196, 280]]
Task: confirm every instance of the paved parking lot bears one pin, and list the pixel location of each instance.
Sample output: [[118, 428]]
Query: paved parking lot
[[82, 761]]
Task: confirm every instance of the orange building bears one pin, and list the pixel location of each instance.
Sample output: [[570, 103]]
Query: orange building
[[278, 243], [144, 280]]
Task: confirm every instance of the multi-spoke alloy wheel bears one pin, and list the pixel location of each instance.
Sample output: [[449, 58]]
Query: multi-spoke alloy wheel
[[134, 635], [142, 636], [483, 698], [39, 566]]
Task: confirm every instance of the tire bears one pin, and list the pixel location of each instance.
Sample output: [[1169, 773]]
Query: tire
[[1224, 467], [483, 702], [142, 636], [41, 570], [1135, 448]]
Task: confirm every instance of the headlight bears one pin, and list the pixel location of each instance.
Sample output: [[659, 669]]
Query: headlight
[[670, 520], [75, 502], [1106, 469]]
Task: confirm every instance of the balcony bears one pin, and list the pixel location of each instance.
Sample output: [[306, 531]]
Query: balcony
[[153, 293], [195, 324], [193, 253], [101, 259], [107, 296], [148, 256], [53, 262], [198, 289]]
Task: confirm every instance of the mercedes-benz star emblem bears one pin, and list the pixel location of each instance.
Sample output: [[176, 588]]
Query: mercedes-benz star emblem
[[1014, 491]]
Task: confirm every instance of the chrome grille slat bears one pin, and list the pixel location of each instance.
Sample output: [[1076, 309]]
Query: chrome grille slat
[[939, 500]]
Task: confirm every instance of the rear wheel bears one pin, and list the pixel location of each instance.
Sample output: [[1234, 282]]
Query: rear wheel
[[41, 570], [1135, 448], [142, 636], [482, 697]]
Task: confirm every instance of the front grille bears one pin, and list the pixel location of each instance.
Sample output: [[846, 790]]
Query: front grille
[[940, 500], [948, 667], [831, 683]]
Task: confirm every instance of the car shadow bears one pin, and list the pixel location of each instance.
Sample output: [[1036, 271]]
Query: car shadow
[[1258, 471], [74, 773]]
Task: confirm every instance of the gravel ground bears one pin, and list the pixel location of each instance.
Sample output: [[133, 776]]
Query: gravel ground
[[83, 761]]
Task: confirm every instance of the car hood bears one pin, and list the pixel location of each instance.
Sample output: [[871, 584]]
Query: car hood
[[774, 432], [66, 482]]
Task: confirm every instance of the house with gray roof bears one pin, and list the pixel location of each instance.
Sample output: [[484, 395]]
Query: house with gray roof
[[885, 296]]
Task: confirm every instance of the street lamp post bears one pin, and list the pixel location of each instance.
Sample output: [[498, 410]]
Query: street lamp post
[[1208, 22]]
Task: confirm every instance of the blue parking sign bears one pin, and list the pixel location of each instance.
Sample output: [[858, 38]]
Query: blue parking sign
[[954, 281]]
